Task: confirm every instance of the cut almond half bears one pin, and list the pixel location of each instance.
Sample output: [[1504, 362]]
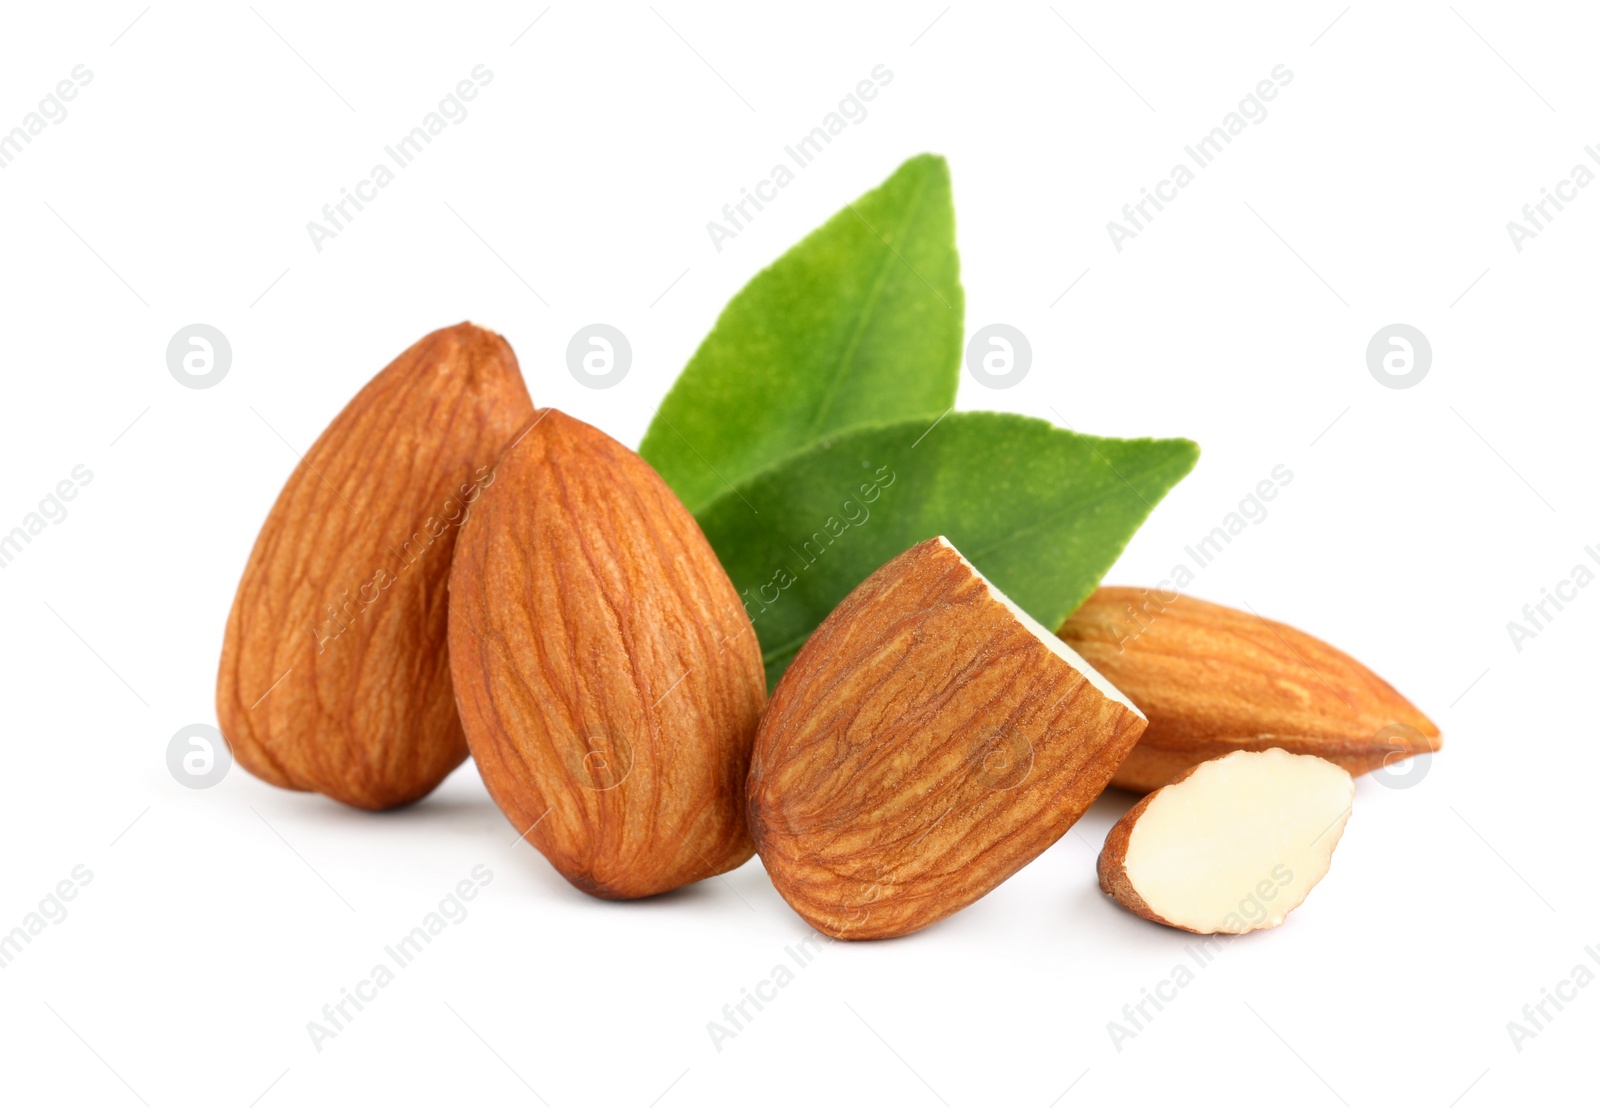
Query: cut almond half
[[1233, 845], [928, 741]]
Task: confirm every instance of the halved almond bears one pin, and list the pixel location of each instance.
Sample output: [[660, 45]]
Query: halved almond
[[929, 740], [1231, 846]]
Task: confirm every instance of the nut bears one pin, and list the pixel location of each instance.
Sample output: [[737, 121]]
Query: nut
[[1214, 680], [929, 740], [1232, 845], [334, 674], [607, 673]]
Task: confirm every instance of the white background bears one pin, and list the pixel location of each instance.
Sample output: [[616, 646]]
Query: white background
[[1418, 524]]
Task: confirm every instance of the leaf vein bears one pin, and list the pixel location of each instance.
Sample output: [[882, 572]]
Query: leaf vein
[[847, 357]]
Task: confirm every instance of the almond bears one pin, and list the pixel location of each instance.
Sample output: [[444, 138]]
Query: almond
[[607, 673], [929, 740], [1233, 845], [334, 673], [1214, 679]]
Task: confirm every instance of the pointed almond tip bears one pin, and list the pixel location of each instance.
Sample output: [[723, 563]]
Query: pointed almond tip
[[1213, 679], [469, 335]]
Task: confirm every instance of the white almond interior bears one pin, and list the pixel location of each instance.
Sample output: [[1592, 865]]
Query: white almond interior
[[1044, 635], [1241, 841]]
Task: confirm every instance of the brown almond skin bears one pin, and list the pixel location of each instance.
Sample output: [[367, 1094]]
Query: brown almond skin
[[607, 673], [334, 674], [1214, 679], [922, 748], [1112, 864]]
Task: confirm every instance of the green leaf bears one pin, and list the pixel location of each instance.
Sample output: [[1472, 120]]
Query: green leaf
[[1041, 511], [858, 324]]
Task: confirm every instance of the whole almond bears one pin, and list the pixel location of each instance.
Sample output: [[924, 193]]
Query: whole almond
[[334, 675], [928, 741], [1214, 680], [607, 673]]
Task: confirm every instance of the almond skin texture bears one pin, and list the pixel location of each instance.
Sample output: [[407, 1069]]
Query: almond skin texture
[[1232, 845], [607, 673], [1214, 680], [926, 743], [334, 672]]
